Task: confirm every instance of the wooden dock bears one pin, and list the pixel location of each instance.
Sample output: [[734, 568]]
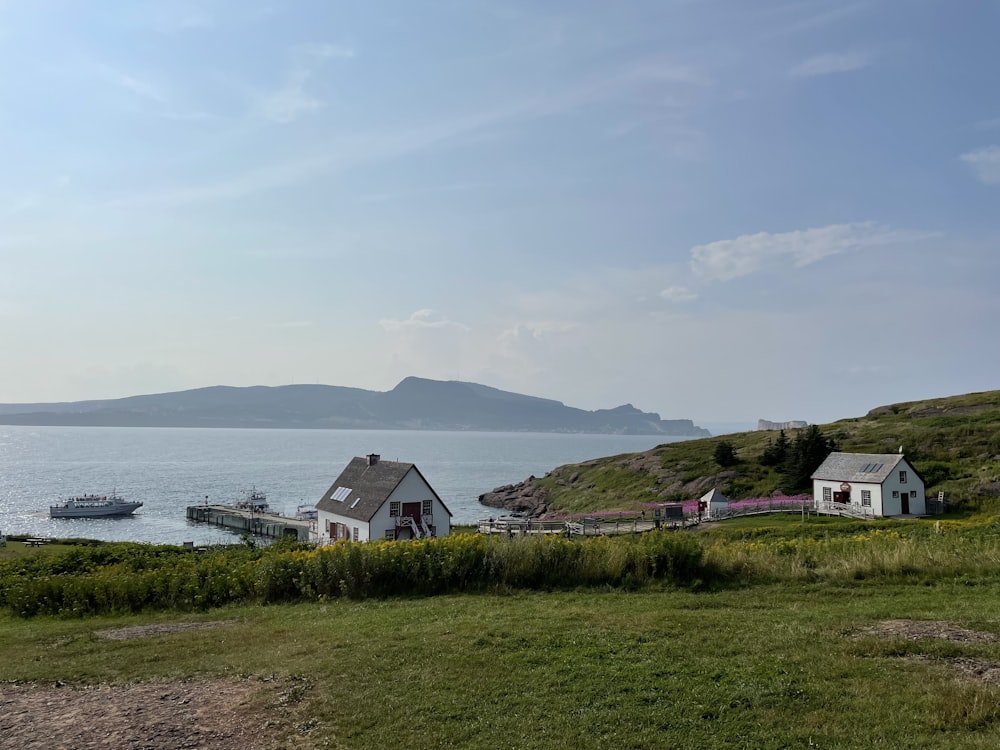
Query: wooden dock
[[255, 523]]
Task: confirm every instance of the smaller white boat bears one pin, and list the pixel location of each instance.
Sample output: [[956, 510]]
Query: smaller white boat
[[93, 506], [307, 512]]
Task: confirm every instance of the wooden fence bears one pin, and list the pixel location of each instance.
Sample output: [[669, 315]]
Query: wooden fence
[[609, 525]]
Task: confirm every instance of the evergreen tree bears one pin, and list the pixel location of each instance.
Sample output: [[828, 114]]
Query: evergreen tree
[[725, 454], [776, 453], [808, 451]]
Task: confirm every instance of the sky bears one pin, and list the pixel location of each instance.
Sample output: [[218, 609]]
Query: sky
[[713, 209]]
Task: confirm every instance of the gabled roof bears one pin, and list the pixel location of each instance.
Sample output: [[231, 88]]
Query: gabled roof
[[362, 488], [871, 468], [714, 496]]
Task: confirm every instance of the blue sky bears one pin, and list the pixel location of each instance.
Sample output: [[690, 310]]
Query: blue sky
[[712, 209]]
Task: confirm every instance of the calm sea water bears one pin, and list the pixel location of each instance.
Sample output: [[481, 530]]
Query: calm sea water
[[169, 469]]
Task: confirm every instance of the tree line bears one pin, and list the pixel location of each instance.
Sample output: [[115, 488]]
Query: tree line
[[794, 460]]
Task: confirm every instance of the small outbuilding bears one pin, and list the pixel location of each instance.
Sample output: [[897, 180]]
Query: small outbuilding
[[713, 504], [875, 484], [376, 499]]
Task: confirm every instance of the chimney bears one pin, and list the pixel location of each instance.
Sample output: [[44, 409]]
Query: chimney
[[373, 458]]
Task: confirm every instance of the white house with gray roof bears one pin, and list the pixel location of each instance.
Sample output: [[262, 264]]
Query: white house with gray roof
[[376, 499], [873, 484]]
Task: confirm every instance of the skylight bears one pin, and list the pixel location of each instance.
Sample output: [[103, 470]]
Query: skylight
[[341, 493], [358, 500]]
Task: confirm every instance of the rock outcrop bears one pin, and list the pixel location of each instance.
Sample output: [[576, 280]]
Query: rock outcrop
[[524, 497]]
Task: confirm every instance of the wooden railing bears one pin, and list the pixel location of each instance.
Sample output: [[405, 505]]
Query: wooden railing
[[623, 525], [844, 509]]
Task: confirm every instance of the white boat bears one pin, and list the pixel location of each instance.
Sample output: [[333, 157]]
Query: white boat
[[307, 513], [255, 502], [93, 506]]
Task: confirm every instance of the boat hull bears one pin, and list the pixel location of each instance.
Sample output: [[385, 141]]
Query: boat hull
[[92, 509]]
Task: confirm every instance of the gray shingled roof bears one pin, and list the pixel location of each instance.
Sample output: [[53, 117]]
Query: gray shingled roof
[[714, 496], [873, 468], [366, 487]]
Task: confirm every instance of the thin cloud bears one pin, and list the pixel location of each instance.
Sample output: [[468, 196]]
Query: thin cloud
[[841, 62], [678, 295], [143, 90], [421, 319], [819, 20], [324, 51], [730, 259], [986, 163], [130, 83], [292, 100], [174, 17], [993, 124], [537, 329], [670, 72], [456, 187], [367, 147]]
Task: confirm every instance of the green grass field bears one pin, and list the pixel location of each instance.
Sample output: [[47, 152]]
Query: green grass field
[[780, 651], [767, 667]]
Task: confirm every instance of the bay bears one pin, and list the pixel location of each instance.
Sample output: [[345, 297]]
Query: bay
[[169, 469]]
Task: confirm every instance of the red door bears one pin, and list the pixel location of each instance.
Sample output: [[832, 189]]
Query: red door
[[904, 498]]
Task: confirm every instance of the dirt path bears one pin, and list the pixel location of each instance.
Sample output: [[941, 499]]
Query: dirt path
[[219, 714]]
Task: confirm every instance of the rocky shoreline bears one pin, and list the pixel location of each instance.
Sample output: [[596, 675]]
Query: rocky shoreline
[[525, 497], [533, 500]]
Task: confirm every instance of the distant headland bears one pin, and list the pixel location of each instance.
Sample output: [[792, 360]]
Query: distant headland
[[414, 404]]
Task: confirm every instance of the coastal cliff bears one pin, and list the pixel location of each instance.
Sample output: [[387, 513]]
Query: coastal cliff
[[414, 404]]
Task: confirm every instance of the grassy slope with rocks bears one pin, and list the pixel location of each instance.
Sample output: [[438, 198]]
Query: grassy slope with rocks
[[953, 442]]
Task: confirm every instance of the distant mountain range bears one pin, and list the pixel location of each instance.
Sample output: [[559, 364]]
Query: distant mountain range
[[414, 404]]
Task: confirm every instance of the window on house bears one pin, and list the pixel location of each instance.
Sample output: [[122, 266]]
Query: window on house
[[902, 477], [394, 509], [390, 534], [426, 510], [895, 494], [355, 535], [827, 495], [866, 497]]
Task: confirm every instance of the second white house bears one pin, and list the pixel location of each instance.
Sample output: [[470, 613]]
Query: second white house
[[876, 484]]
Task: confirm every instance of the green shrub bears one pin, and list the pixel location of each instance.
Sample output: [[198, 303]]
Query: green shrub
[[133, 578]]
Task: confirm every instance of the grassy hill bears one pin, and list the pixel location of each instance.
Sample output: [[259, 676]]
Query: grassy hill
[[953, 442]]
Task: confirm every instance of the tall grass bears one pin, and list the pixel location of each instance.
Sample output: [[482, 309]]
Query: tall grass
[[882, 554], [132, 578]]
